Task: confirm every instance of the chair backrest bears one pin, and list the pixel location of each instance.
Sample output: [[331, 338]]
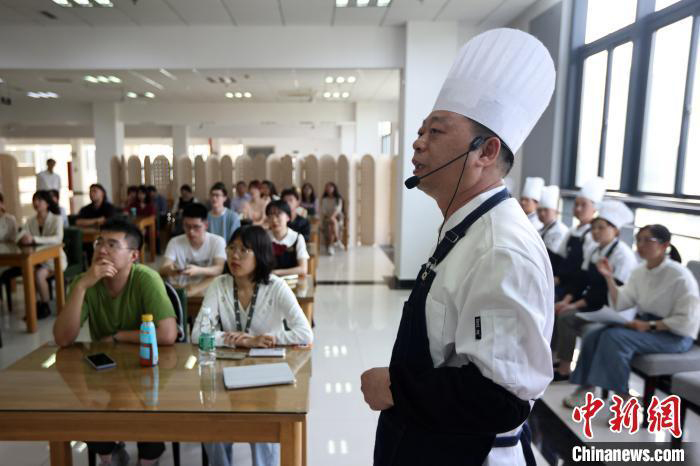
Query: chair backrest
[[179, 311], [73, 246], [694, 267]]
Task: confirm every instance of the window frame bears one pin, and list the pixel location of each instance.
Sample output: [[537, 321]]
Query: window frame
[[641, 34]]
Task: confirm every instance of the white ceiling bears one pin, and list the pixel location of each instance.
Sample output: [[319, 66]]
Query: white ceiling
[[193, 86], [482, 13]]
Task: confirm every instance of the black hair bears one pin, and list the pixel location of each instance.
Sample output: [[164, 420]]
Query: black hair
[[505, 156], [289, 192], [144, 189], [101, 188], [241, 182], [151, 188], [219, 186], [55, 193], [46, 197], [255, 237], [132, 189], [132, 234], [2, 198], [50, 161], [312, 196], [186, 187], [604, 220], [279, 205], [271, 186], [195, 210], [336, 193], [662, 235]]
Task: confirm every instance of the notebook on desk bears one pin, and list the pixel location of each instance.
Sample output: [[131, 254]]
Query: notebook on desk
[[258, 375]]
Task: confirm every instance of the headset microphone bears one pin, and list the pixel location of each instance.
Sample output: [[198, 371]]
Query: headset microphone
[[414, 180]]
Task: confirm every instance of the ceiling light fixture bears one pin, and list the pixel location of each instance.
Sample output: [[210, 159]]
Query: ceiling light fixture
[[103, 79], [239, 95], [83, 2], [340, 80], [247, 95], [62, 3], [383, 3], [114, 79], [362, 3], [351, 79], [329, 79], [90, 79], [229, 95], [167, 73], [336, 95], [150, 95], [341, 3], [104, 3], [345, 95], [327, 95], [132, 95]]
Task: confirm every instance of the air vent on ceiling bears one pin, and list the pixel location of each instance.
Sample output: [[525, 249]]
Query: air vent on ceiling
[[221, 79], [296, 95], [48, 14]]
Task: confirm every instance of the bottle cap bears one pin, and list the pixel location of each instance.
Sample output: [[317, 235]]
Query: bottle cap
[[147, 318]]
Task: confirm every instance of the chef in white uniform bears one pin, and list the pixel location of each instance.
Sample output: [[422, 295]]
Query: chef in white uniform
[[530, 198], [553, 230], [472, 351]]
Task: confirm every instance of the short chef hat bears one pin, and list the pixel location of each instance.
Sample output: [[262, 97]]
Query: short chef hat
[[533, 188], [593, 189], [615, 212], [502, 79], [550, 197]]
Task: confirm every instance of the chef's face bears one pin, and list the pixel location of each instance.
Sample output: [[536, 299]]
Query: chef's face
[[528, 204], [584, 209], [546, 215], [442, 137], [603, 232]]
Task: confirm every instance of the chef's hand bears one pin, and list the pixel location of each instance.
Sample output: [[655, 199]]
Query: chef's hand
[[375, 387], [563, 305], [638, 325], [604, 267]]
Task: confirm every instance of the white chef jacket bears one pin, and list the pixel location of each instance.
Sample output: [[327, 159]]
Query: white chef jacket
[[46, 180], [669, 291], [554, 235], [535, 221], [500, 272], [577, 231], [622, 260]]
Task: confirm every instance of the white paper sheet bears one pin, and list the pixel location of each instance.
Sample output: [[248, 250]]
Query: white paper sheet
[[608, 315]]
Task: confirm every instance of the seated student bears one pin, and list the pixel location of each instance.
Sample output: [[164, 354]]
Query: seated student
[[249, 306], [239, 203], [331, 213], [553, 230], [55, 196], [591, 294], [196, 255], [8, 224], [288, 245], [269, 191], [132, 198], [255, 210], [159, 202], [46, 227], [579, 240], [530, 197], [186, 198], [111, 296], [308, 199], [222, 220], [668, 317], [144, 203], [98, 211], [297, 222]]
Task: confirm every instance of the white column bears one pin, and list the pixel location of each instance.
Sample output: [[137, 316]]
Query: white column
[[366, 129], [430, 50], [180, 140], [2, 145], [216, 146], [80, 181], [347, 139], [109, 139]]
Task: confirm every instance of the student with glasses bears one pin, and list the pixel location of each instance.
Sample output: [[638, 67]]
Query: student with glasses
[[112, 295], [248, 307]]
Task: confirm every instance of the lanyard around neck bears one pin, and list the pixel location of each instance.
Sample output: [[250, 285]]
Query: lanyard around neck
[[237, 310]]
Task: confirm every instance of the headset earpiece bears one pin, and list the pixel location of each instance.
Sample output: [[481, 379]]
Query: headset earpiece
[[476, 143]]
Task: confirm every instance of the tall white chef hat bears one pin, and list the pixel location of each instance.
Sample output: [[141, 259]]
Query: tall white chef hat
[[593, 189], [550, 197], [502, 79], [615, 212], [533, 188]]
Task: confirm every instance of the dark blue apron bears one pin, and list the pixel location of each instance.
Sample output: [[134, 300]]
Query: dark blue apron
[[596, 293], [399, 441], [569, 268]]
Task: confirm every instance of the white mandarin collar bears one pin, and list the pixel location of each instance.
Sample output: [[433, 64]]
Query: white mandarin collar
[[461, 213]]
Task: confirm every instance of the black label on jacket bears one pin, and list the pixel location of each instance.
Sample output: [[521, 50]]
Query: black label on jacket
[[477, 327]]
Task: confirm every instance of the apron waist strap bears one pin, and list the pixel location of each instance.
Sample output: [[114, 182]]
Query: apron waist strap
[[525, 439]]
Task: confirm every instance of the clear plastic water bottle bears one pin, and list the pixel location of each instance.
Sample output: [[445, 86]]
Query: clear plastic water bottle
[[207, 351]]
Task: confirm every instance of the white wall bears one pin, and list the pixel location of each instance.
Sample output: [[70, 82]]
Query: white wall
[[368, 115]]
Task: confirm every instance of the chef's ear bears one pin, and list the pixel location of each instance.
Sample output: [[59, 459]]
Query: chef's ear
[[490, 150]]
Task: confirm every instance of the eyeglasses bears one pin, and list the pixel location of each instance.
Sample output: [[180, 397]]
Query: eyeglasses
[[646, 240], [187, 227], [240, 252], [111, 245]]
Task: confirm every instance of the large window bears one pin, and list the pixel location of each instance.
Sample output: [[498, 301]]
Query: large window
[[635, 95]]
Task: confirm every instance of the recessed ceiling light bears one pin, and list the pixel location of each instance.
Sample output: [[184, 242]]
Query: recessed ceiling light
[[327, 95], [52, 95], [33, 95], [345, 95], [132, 95], [336, 95], [362, 3], [247, 95], [150, 95], [90, 79], [381, 3], [229, 95], [340, 80], [341, 3], [329, 79], [103, 79], [83, 2], [106, 3], [351, 79], [1, 81], [62, 2], [114, 79], [239, 95]]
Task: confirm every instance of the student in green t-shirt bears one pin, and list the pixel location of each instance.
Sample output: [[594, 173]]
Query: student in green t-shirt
[[112, 295]]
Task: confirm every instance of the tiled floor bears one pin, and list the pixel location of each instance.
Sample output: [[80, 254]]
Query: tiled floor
[[355, 329]]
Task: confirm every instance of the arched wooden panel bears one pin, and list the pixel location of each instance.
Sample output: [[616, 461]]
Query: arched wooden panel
[[160, 171], [327, 170], [227, 172], [244, 169], [123, 177], [345, 170], [201, 189], [9, 174], [311, 174], [213, 169], [115, 169], [147, 174], [134, 171], [182, 175], [287, 171], [366, 200], [274, 166], [260, 167]]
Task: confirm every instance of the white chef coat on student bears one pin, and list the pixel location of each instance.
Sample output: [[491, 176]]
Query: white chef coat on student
[[535, 221], [500, 272], [554, 235], [577, 231], [623, 260], [669, 291]]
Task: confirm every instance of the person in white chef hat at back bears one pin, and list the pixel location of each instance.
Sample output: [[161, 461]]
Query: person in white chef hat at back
[[553, 230], [472, 351], [530, 199], [579, 240]]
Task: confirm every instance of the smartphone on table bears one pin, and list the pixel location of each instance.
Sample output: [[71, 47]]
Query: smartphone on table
[[100, 361]]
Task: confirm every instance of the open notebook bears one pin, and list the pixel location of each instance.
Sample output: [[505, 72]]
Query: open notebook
[[258, 375]]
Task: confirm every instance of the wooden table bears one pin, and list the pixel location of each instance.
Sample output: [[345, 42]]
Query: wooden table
[[90, 234], [26, 257], [304, 291], [53, 394]]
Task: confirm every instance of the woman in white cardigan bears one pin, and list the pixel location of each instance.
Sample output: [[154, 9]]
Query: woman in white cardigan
[[46, 227], [249, 308]]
